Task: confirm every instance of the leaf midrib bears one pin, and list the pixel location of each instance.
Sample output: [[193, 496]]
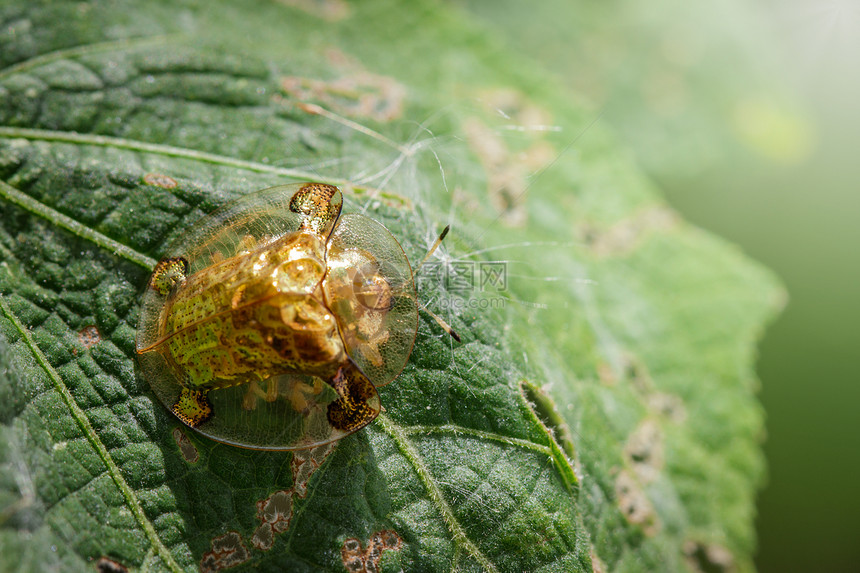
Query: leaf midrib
[[160, 149], [74, 226], [436, 496]]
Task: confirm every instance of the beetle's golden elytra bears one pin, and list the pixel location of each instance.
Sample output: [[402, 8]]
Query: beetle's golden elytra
[[270, 324]]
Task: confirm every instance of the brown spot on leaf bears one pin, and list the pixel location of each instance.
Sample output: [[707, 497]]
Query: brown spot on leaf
[[305, 463], [708, 558], [597, 564], [89, 336], [507, 170], [668, 405], [354, 564], [106, 565], [390, 539], [624, 236], [634, 504], [227, 551], [275, 513], [356, 94], [644, 450], [159, 180], [508, 167], [606, 374], [188, 450], [516, 107], [328, 10], [635, 372], [358, 560]]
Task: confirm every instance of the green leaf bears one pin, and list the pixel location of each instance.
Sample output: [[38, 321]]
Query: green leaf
[[687, 86], [599, 414]]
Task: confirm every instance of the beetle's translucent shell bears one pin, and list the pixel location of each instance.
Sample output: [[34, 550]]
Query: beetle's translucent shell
[[270, 324]]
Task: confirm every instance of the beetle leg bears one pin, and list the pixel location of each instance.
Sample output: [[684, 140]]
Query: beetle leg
[[297, 397], [193, 407], [247, 243], [271, 390], [249, 400]]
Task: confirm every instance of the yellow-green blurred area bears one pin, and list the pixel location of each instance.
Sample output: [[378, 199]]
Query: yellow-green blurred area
[[747, 115]]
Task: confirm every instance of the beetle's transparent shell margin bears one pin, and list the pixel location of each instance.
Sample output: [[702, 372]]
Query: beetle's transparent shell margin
[[347, 271]]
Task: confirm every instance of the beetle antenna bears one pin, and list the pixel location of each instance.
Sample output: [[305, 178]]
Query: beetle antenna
[[445, 326], [433, 250]]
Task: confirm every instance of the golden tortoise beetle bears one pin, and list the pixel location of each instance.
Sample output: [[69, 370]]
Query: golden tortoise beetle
[[277, 289]]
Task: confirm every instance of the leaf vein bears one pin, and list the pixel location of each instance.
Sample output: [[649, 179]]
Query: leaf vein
[[309, 495], [491, 436], [83, 50], [84, 423], [165, 150], [461, 539], [50, 214]]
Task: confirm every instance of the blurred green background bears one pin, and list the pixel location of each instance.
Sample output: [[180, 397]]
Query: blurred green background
[[747, 115]]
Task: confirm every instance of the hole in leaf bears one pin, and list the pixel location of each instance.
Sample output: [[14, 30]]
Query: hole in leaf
[[546, 412], [188, 449], [106, 565], [561, 445], [708, 558]]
